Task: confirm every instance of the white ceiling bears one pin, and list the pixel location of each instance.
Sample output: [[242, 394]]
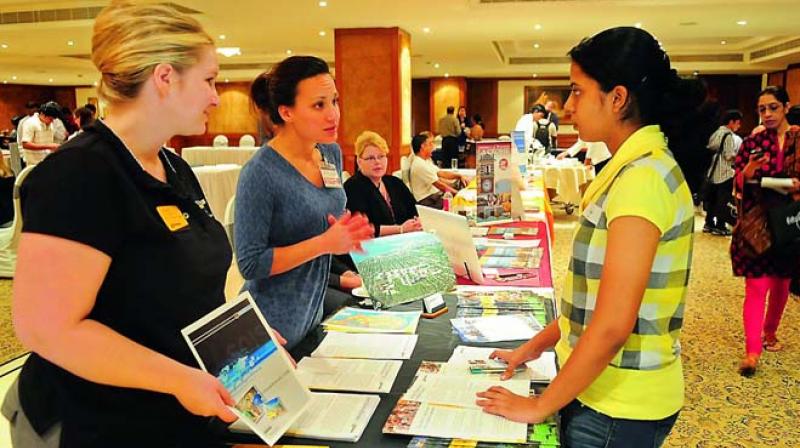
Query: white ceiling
[[475, 38]]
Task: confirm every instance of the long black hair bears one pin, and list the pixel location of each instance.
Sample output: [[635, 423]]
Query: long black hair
[[278, 87], [633, 58]]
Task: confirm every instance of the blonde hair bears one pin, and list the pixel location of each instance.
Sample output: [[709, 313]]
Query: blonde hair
[[129, 41], [369, 138]]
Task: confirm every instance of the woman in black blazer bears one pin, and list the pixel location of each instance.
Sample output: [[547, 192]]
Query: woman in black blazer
[[385, 200]]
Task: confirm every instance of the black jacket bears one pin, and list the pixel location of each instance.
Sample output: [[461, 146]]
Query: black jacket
[[364, 197]]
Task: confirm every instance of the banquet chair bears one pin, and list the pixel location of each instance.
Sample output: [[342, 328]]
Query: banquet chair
[[15, 160], [220, 140], [247, 140], [234, 280], [405, 170], [227, 220], [9, 236]]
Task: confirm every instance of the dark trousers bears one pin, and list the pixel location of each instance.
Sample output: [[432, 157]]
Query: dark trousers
[[583, 427], [717, 210], [449, 150], [435, 200]]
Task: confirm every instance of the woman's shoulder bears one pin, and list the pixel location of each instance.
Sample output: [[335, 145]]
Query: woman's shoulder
[[393, 182]]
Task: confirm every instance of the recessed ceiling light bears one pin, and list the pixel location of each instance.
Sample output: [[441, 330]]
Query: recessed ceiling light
[[322, 33], [537, 27], [742, 22], [229, 51], [94, 83], [5, 81], [323, 4], [227, 80], [535, 75], [447, 75], [535, 45], [638, 24], [724, 42], [426, 30], [288, 51], [436, 65], [14, 78], [71, 43], [695, 73], [3, 45], [222, 37], [50, 80]]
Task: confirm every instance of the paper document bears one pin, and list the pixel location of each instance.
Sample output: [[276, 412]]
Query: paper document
[[779, 184], [357, 320], [512, 327], [543, 369], [356, 375], [331, 416], [235, 344], [454, 390], [366, 346]]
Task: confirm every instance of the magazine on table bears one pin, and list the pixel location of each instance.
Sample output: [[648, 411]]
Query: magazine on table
[[357, 320], [355, 375], [403, 268], [235, 344]]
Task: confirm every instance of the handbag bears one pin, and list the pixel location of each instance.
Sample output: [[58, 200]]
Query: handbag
[[754, 236], [784, 222]]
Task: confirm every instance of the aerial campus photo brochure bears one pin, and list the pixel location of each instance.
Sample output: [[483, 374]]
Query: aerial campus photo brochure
[[402, 268], [235, 344]]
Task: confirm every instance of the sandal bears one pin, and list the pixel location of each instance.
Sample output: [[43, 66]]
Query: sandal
[[772, 344], [747, 367]]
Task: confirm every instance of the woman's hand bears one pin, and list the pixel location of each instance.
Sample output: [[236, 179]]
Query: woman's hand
[[202, 394], [350, 280], [514, 358], [346, 233], [754, 162], [411, 225], [500, 401]]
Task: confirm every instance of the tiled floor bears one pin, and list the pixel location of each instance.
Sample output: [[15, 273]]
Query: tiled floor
[[8, 373]]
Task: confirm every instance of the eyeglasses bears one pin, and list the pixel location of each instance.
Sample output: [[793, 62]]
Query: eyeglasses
[[773, 107], [379, 158]]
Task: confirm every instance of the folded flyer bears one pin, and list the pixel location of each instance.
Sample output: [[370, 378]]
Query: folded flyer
[[512, 327], [357, 320], [235, 344]]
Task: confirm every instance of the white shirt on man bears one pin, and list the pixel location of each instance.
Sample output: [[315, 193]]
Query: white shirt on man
[[35, 131], [423, 175], [526, 125], [595, 151]]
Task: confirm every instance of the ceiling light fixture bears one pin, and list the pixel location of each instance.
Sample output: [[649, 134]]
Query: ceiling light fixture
[[94, 83], [323, 4], [535, 75], [227, 80], [695, 73], [447, 75], [724, 42], [3, 46], [222, 37], [229, 51], [426, 30], [71, 43], [14, 78], [5, 81], [638, 24], [742, 22], [436, 65], [50, 80], [537, 27], [322, 33], [535, 45], [288, 51]]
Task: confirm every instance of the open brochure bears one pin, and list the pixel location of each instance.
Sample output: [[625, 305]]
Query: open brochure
[[356, 375], [540, 370], [474, 301], [331, 416], [366, 346], [235, 344], [511, 327], [357, 320], [402, 268]]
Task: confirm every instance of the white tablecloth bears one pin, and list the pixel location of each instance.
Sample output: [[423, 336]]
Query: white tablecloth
[[566, 178], [209, 155], [219, 185]]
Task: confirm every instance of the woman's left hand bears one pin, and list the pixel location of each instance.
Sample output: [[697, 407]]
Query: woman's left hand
[[500, 401]]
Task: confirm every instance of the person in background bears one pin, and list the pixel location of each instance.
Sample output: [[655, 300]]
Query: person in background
[[465, 123], [32, 107], [622, 306], [595, 154], [84, 117], [383, 198], [770, 153], [37, 138], [428, 182], [118, 254], [92, 108], [450, 130], [726, 143], [67, 119], [551, 116], [6, 194], [290, 204], [476, 132], [540, 133]]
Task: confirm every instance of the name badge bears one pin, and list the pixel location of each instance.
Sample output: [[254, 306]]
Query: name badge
[[330, 177], [593, 213], [172, 217]]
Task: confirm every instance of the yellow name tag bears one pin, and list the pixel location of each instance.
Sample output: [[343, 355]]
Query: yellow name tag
[[172, 216]]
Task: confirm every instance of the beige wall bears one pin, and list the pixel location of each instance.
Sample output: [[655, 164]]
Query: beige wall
[[511, 100]]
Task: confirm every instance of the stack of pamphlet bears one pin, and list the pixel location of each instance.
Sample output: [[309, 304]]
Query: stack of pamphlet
[[357, 320], [510, 327], [475, 301], [540, 435]]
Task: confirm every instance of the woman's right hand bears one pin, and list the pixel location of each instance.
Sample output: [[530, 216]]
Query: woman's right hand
[[346, 233], [411, 225], [513, 358], [203, 394], [754, 162]]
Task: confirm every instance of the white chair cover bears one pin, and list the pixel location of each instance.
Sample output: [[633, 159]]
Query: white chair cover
[[9, 236], [220, 140], [247, 140]]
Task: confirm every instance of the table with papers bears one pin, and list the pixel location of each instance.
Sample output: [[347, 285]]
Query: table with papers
[[219, 185], [209, 155]]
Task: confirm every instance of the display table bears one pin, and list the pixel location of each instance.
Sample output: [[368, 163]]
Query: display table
[[219, 185], [210, 155], [436, 343], [564, 179]]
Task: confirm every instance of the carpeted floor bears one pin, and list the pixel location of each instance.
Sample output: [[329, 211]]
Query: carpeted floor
[[722, 408]]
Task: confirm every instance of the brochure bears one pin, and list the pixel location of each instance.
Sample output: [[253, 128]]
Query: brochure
[[495, 180], [356, 375], [357, 320], [366, 346], [541, 370], [512, 327], [498, 300], [235, 344], [331, 416], [402, 268], [540, 435], [459, 390]]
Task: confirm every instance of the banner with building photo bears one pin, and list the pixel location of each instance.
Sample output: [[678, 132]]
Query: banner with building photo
[[496, 168]]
